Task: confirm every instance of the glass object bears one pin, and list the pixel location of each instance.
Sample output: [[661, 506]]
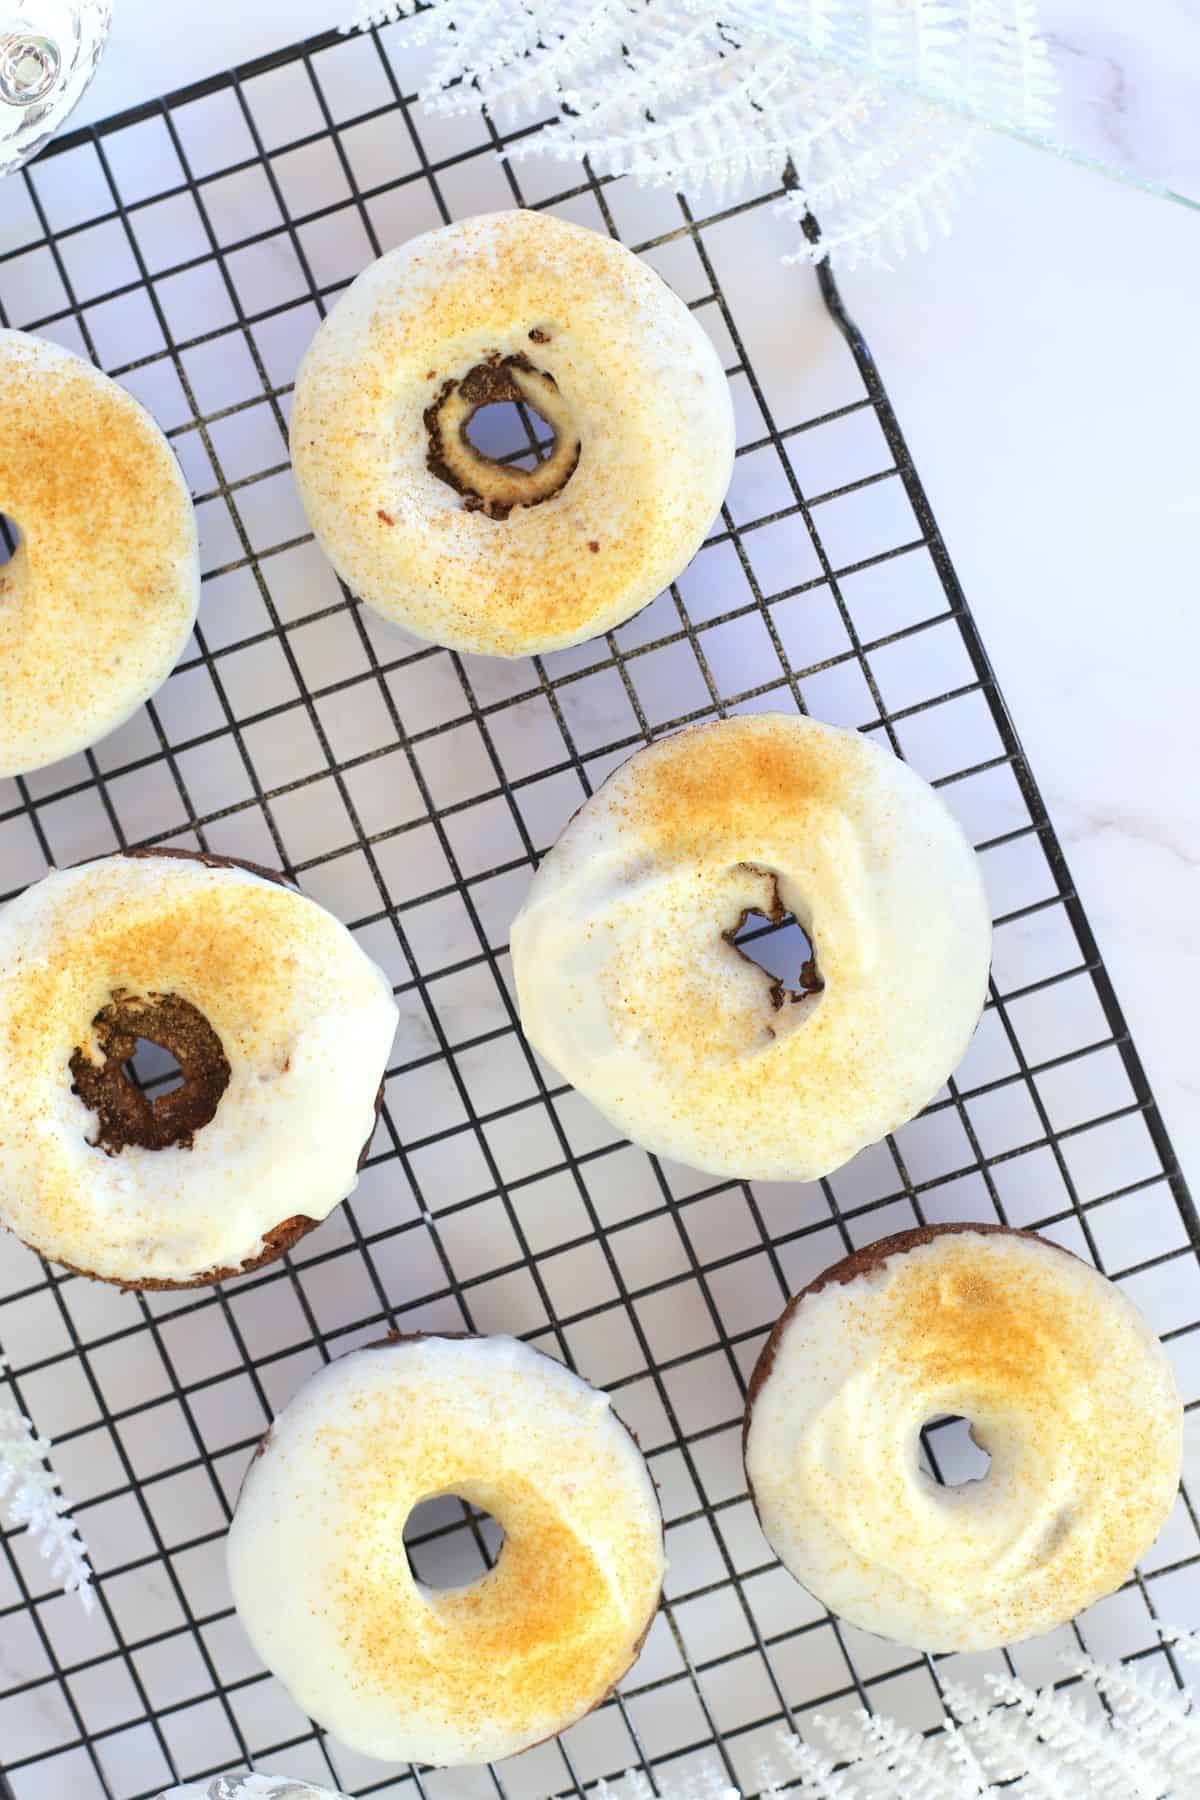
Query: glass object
[[48, 53]]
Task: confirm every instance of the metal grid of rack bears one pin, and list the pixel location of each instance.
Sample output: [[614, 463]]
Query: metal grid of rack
[[190, 247]]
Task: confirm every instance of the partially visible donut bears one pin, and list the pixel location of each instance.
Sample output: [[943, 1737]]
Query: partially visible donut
[[629, 981], [98, 600], [323, 1586], [1064, 1385], [483, 555], [281, 1028]]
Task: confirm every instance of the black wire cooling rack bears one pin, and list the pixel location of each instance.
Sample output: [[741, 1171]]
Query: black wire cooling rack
[[190, 247]]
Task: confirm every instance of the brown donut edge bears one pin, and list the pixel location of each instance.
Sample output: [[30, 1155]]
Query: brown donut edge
[[289, 1232], [395, 1337], [210, 860]]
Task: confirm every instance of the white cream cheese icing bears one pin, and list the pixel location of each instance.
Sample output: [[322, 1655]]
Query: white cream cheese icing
[[323, 1586], [98, 601], [628, 984], [638, 383], [304, 1018], [1064, 1386]]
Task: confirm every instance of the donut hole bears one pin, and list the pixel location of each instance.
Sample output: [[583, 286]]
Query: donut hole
[[153, 1075], [950, 1455], [153, 1069], [9, 539], [784, 952], [450, 1542], [506, 431], [486, 436]]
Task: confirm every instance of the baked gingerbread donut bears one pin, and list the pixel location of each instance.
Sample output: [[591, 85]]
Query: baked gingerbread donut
[[479, 554], [281, 1028], [1064, 1385], [322, 1583], [629, 981], [99, 598]]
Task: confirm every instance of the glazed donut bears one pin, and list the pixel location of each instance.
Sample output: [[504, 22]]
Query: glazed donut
[[1064, 1386], [630, 984], [98, 600], [281, 1028], [322, 1583], [478, 554]]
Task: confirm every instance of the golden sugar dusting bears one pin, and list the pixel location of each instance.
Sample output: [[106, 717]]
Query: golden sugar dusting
[[224, 942], [544, 1627], [545, 1634], [512, 582], [102, 575], [1029, 1335], [741, 780], [963, 1316], [250, 956], [704, 799], [1060, 1382]]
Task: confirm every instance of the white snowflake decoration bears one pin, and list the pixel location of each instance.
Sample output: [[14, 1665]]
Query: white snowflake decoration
[[252, 1787], [1013, 1743], [30, 1497], [876, 108]]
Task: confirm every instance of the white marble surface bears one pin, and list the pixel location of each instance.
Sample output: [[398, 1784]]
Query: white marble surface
[[1046, 368], [1128, 82]]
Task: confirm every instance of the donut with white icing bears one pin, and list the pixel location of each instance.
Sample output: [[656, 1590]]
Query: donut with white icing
[[281, 1028], [483, 555], [1064, 1386], [99, 598], [630, 984], [323, 1586]]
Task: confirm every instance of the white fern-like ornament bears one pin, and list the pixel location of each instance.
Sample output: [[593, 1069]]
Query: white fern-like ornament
[[30, 1497], [252, 1787], [1118, 1733], [1011, 1743], [876, 109]]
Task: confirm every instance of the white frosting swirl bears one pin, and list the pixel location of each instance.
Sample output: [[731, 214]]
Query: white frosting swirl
[[1064, 1386]]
